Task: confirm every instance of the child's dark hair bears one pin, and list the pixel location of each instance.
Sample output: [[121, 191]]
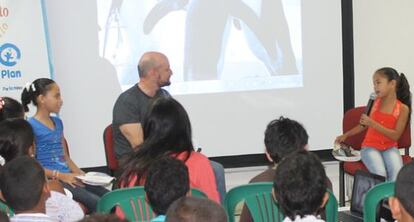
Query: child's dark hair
[[167, 131], [167, 180], [10, 109], [21, 182], [284, 136], [16, 137], [31, 92], [404, 184], [300, 184], [189, 209], [403, 87]]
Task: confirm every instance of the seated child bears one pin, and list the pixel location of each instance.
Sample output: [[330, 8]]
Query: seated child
[[17, 139], [299, 187], [402, 204], [283, 136], [51, 148], [167, 180], [10, 108], [23, 185], [191, 209]]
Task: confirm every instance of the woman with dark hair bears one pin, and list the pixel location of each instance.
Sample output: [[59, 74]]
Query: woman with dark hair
[[167, 132]]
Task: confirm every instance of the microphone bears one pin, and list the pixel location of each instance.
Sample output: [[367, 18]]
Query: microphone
[[370, 103]]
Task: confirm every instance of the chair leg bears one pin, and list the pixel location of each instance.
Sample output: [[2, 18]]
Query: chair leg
[[341, 184]]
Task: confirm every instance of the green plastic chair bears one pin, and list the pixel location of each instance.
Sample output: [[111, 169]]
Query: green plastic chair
[[259, 199], [132, 202], [374, 196], [6, 209]]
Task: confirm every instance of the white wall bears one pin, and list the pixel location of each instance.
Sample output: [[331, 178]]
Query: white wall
[[383, 36], [88, 83]]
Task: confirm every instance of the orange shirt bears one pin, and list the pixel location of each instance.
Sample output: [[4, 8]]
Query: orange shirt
[[374, 138], [200, 173]]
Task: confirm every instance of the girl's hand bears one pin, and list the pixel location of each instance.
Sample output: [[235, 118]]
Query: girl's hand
[[70, 178], [366, 121], [80, 172], [340, 138]]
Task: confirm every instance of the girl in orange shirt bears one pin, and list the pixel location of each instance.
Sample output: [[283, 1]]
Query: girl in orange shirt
[[385, 124], [167, 132]]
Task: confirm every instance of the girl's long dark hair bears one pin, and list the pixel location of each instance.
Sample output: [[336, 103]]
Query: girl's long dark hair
[[403, 87], [38, 87], [167, 131]]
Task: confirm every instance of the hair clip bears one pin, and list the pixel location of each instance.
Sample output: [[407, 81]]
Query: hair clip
[[2, 160], [33, 87], [27, 86]]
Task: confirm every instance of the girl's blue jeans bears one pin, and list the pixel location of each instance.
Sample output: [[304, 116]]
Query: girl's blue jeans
[[385, 163]]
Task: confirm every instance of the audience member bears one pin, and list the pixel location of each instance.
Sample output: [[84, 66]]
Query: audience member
[[51, 148], [283, 136], [17, 139], [10, 108], [195, 209], [402, 204], [300, 187], [23, 185], [167, 132], [167, 181]]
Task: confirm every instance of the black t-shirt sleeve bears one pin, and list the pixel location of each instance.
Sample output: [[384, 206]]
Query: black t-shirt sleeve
[[125, 111]]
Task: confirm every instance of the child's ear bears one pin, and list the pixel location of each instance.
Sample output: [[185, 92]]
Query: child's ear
[[46, 190], [32, 150], [324, 199], [268, 157], [40, 99], [395, 207]]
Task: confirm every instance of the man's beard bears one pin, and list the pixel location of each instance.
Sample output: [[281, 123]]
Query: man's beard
[[167, 83]]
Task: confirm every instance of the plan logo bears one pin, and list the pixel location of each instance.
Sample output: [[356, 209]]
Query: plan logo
[[9, 54]]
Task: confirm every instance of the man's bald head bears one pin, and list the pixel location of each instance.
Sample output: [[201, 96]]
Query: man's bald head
[[149, 61]]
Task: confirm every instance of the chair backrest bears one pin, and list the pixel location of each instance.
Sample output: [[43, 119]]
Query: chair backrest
[[132, 201], [6, 209], [374, 196], [351, 119], [259, 200], [197, 193], [108, 140]]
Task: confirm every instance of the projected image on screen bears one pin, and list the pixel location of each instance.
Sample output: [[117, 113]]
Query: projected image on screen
[[213, 45]]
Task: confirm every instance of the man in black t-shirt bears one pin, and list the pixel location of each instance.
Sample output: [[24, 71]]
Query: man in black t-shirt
[[130, 107]]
